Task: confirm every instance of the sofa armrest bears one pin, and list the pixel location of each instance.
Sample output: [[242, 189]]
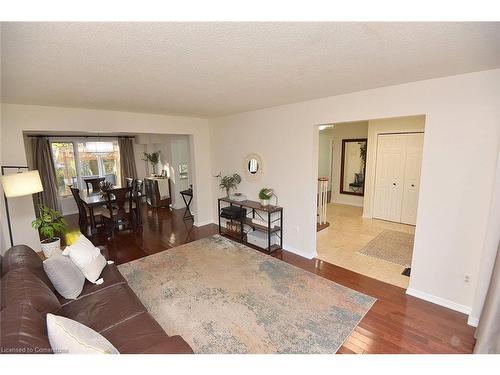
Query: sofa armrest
[[170, 345]]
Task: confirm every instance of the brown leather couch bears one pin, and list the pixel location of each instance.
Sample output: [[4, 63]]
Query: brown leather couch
[[112, 309]]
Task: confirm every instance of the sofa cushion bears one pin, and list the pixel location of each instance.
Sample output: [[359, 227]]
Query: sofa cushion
[[22, 256], [143, 334], [23, 330], [135, 334], [20, 286], [110, 275], [170, 345], [105, 308]]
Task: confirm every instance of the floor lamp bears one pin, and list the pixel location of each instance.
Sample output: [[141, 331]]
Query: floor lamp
[[18, 185]]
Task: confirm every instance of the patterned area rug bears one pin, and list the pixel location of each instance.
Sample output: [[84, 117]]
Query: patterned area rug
[[223, 297], [391, 246]]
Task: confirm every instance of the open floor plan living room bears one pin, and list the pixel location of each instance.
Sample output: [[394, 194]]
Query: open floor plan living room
[[250, 188]]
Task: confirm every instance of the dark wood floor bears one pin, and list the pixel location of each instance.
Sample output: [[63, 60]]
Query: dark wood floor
[[397, 323]]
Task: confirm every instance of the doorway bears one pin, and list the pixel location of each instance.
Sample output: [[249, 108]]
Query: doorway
[[372, 221]]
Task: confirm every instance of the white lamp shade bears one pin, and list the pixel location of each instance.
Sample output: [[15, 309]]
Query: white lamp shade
[[21, 184]]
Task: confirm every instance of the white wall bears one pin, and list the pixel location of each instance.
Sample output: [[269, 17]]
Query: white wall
[[19, 118], [491, 247], [462, 133], [384, 126]]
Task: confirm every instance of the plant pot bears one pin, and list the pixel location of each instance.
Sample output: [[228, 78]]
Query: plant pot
[[51, 246], [264, 202]]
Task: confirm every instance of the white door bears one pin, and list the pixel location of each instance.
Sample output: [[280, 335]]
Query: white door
[[389, 177], [414, 148]]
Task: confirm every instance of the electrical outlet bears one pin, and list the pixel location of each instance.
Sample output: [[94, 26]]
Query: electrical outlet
[[466, 278]]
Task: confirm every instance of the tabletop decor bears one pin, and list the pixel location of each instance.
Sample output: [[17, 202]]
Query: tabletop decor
[[105, 186], [265, 195], [153, 158], [229, 182]]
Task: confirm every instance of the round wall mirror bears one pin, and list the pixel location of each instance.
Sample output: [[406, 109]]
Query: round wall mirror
[[252, 166]]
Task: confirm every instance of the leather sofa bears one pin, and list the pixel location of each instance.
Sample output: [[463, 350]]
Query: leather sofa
[[112, 309]]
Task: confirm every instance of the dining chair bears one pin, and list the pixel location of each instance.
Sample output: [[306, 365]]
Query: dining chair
[[129, 181], [84, 219], [120, 212], [93, 182], [138, 196], [139, 184]]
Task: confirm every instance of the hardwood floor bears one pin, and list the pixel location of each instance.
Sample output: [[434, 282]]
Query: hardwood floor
[[397, 323]]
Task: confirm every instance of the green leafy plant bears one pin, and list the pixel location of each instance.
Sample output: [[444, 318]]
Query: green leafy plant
[[229, 182], [153, 158], [266, 193], [49, 222]]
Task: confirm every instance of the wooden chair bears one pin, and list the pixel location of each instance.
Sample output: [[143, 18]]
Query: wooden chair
[[138, 187], [129, 181], [84, 219], [94, 182], [138, 196], [120, 212]]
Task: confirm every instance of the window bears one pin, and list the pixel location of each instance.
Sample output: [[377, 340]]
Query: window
[[183, 171], [64, 161], [76, 160]]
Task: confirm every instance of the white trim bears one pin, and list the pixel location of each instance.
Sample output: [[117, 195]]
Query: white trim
[[202, 223], [472, 321], [439, 301], [340, 201]]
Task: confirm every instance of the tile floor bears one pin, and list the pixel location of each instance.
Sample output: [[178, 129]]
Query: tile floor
[[348, 233]]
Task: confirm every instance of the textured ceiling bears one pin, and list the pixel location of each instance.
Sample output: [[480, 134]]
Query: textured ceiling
[[213, 69]]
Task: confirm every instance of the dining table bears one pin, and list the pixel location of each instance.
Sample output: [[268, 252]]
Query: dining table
[[99, 199]]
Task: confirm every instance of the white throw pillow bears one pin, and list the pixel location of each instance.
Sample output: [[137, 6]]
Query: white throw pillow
[[82, 252], [93, 270], [67, 336], [87, 258], [64, 275]]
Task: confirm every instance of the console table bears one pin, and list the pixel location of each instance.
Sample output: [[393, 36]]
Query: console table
[[272, 215], [156, 195]]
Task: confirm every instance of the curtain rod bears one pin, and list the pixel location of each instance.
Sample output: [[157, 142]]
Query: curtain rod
[[77, 136]]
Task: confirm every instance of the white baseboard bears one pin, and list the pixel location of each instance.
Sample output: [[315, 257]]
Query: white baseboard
[[347, 203], [439, 301], [472, 321], [202, 223]]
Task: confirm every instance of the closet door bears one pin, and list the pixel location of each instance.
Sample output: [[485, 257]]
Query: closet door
[[414, 149], [389, 177]]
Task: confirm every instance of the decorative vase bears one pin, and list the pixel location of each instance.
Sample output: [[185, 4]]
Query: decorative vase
[[153, 166], [51, 246], [264, 202]]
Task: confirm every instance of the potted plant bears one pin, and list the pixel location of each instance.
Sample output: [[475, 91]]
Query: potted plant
[[229, 182], [153, 158], [49, 223], [265, 196]]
